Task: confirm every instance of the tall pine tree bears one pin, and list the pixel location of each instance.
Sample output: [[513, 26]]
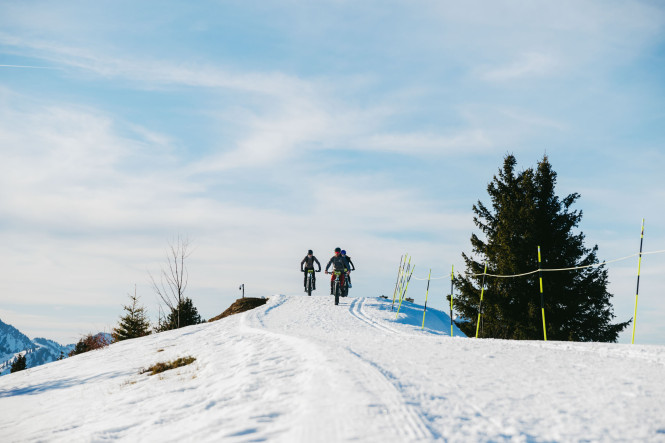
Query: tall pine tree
[[134, 323], [526, 213]]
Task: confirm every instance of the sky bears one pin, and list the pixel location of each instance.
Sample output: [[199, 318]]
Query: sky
[[259, 130]]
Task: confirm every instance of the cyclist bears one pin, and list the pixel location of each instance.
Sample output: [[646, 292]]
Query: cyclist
[[308, 262], [340, 265], [350, 265]]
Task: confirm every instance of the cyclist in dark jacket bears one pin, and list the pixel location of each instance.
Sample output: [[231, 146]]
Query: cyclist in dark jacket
[[351, 266], [340, 265], [308, 262]]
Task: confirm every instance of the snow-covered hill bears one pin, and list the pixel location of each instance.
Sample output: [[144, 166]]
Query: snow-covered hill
[[301, 369], [38, 351]]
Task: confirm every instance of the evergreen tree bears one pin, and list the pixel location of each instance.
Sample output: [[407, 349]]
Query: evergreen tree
[[134, 323], [185, 311], [525, 214], [19, 363]]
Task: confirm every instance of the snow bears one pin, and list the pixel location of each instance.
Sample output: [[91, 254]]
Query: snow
[[301, 369]]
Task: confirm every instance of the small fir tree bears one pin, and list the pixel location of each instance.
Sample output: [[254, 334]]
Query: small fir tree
[[185, 313], [134, 323], [19, 363], [525, 214]]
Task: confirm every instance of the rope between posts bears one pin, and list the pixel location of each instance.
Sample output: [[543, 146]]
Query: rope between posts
[[550, 269], [569, 269]]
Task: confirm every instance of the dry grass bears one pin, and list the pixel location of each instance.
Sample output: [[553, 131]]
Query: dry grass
[[165, 366], [241, 305]]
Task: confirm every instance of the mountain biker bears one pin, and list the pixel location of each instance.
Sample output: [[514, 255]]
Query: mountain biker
[[309, 261], [340, 265], [350, 265]]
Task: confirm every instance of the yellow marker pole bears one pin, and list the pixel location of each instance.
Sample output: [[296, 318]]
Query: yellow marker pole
[[404, 292], [426, 292], [542, 298], [480, 306], [399, 273], [639, 265], [452, 273], [405, 270]]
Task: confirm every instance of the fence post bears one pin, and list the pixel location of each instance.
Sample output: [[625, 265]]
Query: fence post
[[399, 275], [542, 298], [452, 273], [406, 288], [639, 265], [480, 305], [426, 292]]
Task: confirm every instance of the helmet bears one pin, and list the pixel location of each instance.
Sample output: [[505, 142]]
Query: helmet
[[310, 252], [338, 250], [343, 252]]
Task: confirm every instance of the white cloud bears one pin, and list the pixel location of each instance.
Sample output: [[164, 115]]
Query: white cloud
[[473, 141], [527, 66], [149, 73]]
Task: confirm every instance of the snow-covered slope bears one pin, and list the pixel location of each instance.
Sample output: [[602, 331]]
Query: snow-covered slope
[[301, 369]]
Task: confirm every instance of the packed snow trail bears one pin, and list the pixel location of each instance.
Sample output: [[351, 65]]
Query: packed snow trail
[[301, 369]]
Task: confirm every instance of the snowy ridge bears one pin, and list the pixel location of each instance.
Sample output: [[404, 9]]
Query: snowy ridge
[[301, 369]]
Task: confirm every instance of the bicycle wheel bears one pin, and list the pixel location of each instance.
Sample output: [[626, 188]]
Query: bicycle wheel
[[337, 291], [309, 286]]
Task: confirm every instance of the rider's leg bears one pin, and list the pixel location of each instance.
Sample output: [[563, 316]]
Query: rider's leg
[[332, 279]]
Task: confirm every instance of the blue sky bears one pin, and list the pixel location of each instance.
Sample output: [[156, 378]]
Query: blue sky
[[262, 129]]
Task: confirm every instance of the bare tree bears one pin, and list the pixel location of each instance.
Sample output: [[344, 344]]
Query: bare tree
[[173, 278]]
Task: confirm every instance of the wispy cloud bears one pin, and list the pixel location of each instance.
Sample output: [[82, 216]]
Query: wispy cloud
[[153, 73], [27, 67], [473, 141], [527, 66]]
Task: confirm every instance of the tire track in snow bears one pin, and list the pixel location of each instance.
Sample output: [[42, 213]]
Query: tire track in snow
[[301, 362], [356, 309], [355, 383], [385, 386], [417, 419]]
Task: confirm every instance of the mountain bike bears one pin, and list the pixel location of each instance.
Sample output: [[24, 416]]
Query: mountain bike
[[345, 286], [339, 289], [309, 282]]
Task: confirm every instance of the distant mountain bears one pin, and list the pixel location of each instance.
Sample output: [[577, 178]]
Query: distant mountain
[[38, 351], [12, 341], [47, 351]]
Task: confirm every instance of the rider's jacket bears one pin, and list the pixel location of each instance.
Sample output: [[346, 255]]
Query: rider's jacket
[[339, 263], [309, 262], [351, 265]]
